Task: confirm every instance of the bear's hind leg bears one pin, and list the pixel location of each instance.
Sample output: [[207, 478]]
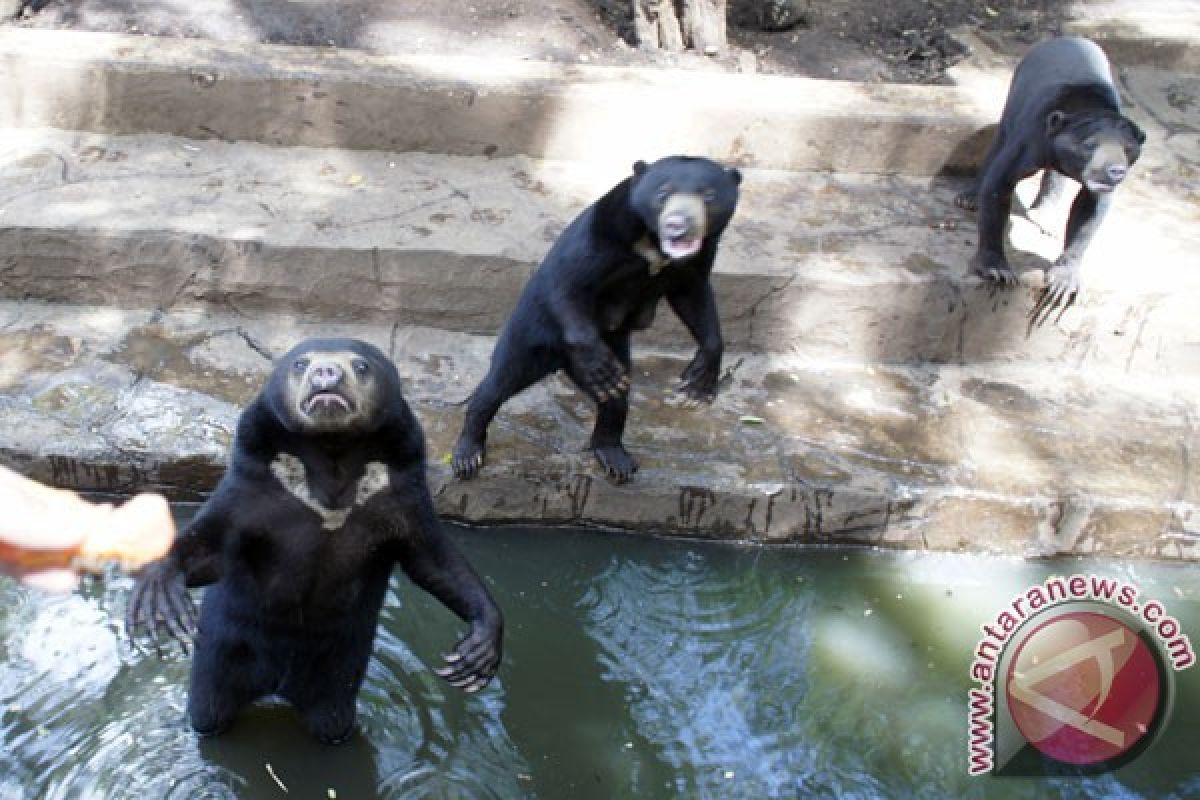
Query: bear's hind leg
[[227, 675], [323, 678], [514, 368], [610, 423]]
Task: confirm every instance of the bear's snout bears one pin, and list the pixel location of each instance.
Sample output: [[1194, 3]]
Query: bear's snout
[[326, 376], [677, 225]]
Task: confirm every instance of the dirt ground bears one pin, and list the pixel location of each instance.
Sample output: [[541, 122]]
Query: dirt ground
[[892, 41]]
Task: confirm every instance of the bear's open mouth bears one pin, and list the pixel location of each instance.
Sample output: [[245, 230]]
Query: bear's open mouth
[[1100, 186], [681, 247], [325, 402]]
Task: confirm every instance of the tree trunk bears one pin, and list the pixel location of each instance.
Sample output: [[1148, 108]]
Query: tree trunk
[[656, 25], [704, 25], [678, 24]]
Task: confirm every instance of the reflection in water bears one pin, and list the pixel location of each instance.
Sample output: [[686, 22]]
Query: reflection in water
[[713, 670], [634, 668]]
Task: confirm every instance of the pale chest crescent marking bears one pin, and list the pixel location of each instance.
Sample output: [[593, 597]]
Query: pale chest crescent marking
[[289, 471], [655, 260]]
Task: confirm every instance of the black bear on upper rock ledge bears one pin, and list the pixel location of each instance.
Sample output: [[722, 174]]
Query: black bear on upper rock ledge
[[325, 493], [654, 234], [1063, 116]]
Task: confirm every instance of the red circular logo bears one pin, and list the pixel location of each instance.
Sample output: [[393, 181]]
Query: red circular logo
[[1083, 688]]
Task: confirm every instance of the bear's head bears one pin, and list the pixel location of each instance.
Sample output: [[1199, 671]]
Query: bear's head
[[684, 201], [1095, 148], [333, 387]]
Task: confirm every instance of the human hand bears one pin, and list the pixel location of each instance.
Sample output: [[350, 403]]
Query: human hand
[[48, 536]]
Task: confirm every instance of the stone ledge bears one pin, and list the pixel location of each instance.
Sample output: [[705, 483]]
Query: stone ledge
[[949, 458], [461, 105], [852, 267]]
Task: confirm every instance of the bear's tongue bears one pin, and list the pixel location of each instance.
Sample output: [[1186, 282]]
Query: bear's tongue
[[681, 247]]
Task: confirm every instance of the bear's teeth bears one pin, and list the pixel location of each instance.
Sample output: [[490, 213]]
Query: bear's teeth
[[681, 248], [327, 399]]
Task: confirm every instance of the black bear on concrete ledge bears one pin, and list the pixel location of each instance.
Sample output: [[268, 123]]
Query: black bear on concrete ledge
[[324, 495], [654, 234], [1062, 115]]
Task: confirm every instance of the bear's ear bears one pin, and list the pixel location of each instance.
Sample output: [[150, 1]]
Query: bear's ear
[[639, 167], [734, 173], [1055, 122]]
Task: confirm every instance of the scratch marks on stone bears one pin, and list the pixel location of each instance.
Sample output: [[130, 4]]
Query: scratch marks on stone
[[694, 503], [1141, 330], [1065, 530], [254, 344], [752, 312], [179, 290], [216, 134], [376, 269], [814, 524], [768, 510], [578, 490], [72, 472], [403, 213]]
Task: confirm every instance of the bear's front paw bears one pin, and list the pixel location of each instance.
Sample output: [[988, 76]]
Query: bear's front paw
[[467, 458], [993, 267], [475, 658], [160, 606], [599, 373], [1059, 293]]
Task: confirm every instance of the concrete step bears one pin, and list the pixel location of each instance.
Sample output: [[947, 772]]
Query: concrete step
[[863, 268], [1161, 34], [1005, 459], [463, 105]]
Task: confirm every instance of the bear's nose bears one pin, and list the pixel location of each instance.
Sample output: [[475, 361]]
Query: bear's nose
[[676, 225], [1116, 172], [326, 376]]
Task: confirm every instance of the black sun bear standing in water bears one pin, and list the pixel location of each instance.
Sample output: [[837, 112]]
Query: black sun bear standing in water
[[1063, 116], [324, 495], [654, 234]]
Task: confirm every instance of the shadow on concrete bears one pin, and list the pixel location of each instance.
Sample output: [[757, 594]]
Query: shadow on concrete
[[378, 26]]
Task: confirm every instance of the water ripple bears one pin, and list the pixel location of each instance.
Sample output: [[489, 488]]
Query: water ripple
[[699, 651], [82, 714]]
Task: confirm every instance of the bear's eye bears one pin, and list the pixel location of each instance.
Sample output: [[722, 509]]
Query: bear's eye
[[710, 196], [300, 364], [663, 194], [361, 367]]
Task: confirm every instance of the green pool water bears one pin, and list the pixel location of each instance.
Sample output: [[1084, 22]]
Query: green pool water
[[634, 667]]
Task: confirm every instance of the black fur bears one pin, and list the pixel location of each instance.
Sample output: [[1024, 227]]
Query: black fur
[[594, 289], [32, 6], [291, 608], [1062, 111]]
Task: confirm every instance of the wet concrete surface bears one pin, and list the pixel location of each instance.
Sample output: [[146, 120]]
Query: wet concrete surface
[[1003, 459]]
